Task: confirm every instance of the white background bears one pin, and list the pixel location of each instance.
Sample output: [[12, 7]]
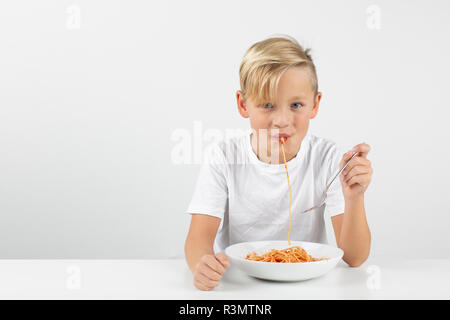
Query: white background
[[92, 91]]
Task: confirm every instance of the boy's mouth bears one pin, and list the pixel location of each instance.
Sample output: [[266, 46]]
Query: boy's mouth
[[281, 137]]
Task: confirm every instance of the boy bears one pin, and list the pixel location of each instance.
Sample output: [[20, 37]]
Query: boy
[[248, 201]]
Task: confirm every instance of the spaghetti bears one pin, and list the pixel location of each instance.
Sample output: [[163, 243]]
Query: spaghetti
[[288, 255], [290, 190]]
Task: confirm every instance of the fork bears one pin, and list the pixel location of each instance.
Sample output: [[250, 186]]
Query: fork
[[328, 187]]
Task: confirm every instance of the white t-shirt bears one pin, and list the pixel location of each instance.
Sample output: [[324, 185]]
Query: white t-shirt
[[251, 197]]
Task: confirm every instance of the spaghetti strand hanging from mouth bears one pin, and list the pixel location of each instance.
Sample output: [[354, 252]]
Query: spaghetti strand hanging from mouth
[[290, 189]]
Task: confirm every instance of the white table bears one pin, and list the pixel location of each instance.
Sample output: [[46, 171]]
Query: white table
[[171, 279]]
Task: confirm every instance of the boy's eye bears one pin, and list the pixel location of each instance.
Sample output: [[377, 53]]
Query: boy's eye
[[270, 106]]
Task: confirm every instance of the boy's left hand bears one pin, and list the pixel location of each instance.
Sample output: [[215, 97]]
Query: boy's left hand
[[356, 177]]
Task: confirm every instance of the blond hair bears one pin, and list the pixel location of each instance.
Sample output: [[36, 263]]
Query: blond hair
[[265, 62]]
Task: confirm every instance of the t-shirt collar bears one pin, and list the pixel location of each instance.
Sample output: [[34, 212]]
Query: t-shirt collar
[[276, 168]]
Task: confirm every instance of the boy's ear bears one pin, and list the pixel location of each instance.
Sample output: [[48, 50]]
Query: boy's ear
[[316, 105], [242, 107]]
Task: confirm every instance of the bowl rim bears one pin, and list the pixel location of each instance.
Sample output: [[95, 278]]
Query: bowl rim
[[341, 253]]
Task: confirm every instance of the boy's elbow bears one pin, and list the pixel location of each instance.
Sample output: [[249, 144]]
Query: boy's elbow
[[355, 262]]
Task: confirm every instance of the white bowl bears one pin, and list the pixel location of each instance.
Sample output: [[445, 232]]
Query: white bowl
[[284, 271]]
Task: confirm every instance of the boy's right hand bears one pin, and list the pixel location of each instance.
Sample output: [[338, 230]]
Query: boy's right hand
[[209, 270]]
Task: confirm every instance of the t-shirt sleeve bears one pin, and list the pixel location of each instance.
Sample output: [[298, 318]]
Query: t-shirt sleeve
[[211, 191], [335, 203]]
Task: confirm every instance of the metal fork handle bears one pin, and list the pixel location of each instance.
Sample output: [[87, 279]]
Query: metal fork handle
[[337, 174]]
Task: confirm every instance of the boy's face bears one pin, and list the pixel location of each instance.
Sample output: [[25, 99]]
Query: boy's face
[[290, 114]]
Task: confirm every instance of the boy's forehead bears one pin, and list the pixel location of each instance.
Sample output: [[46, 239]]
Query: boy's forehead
[[298, 87], [295, 91], [296, 83], [297, 80], [301, 95], [298, 96]]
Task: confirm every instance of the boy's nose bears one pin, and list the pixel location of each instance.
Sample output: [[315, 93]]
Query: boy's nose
[[281, 118]]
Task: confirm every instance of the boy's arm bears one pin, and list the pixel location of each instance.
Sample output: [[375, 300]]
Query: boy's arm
[[352, 233], [207, 268], [200, 238], [351, 229]]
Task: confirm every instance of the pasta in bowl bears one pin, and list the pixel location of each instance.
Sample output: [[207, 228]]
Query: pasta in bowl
[[278, 260]]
